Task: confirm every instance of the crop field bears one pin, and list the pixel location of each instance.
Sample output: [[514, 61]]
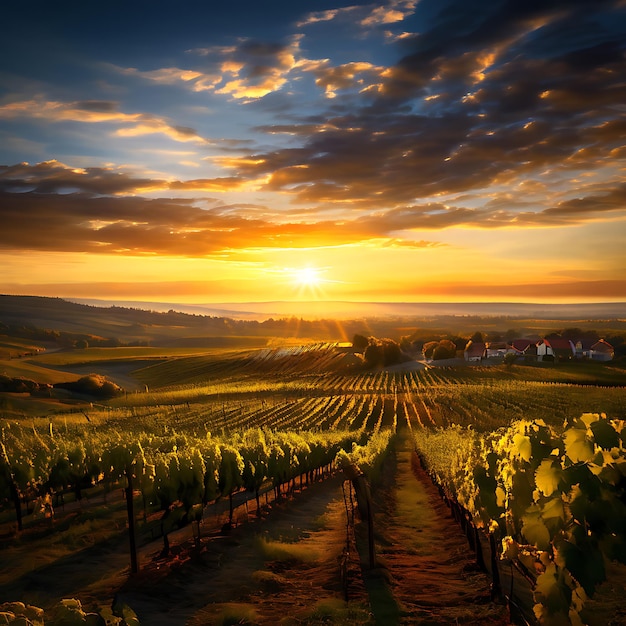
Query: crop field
[[206, 427]]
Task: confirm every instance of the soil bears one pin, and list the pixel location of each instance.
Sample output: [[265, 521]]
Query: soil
[[280, 568], [424, 559]]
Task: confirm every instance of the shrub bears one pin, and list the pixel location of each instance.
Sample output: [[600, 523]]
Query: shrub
[[94, 385]]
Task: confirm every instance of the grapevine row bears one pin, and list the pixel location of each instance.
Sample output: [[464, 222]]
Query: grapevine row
[[554, 498]]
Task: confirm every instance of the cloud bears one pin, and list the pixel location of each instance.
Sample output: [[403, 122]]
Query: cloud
[[347, 76], [247, 70], [52, 207], [53, 177], [368, 15], [326, 16], [580, 290], [395, 11], [79, 111], [495, 115], [95, 112], [488, 100]]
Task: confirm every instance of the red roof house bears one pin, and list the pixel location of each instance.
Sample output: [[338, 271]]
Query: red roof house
[[555, 349], [602, 351], [474, 351]]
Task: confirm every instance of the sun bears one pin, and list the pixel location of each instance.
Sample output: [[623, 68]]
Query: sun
[[307, 277]]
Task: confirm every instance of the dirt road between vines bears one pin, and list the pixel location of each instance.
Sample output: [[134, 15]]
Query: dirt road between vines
[[427, 570], [296, 566]]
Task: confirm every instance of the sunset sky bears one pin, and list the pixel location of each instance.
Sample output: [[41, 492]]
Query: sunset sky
[[413, 150]]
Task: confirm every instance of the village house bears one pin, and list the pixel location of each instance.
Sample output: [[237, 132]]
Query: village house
[[555, 350], [496, 349], [601, 351], [474, 351], [524, 348]]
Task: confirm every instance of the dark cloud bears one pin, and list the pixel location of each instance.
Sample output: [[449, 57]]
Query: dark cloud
[[492, 92], [89, 221], [99, 106], [52, 177]]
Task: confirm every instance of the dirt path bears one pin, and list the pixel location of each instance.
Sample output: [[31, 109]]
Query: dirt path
[[284, 569], [426, 564]]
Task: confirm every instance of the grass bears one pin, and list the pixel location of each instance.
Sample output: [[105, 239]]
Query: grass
[[11, 347], [575, 372], [224, 386], [286, 552], [27, 369], [269, 582], [237, 614], [23, 406], [95, 355], [337, 612]]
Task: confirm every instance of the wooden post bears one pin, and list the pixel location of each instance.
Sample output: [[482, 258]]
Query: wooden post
[[131, 521], [496, 587], [364, 504]]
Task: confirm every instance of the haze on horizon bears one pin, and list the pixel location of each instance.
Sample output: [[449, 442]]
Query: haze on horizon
[[400, 151]]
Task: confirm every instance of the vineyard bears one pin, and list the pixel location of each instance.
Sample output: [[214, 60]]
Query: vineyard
[[206, 436]]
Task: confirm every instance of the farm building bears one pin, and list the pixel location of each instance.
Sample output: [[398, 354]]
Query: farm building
[[474, 351], [555, 350], [601, 351], [525, 348], [495, 349]]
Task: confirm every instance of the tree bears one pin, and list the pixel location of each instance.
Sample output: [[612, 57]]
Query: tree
[[383, 352], [509, 358], [477, 337], [374, 355], [445, 349], [359, 343], [429, 348], [510, 335]]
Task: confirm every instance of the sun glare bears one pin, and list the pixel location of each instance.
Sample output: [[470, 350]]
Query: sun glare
[[307, 277]]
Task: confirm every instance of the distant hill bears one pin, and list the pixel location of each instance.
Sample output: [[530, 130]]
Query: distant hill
[[312, 310], [106, 324], [162, 324]]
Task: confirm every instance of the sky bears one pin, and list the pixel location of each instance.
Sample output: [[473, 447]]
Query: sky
[[399, 151]]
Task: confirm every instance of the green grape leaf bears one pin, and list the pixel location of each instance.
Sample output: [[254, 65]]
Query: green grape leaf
[[534, 529], [614, 547], [590, 512], [620, 466], [500, 497], [580, 474], [521, 493], [548, 477], [589, 418], [584, 562], [577, 446], [550, 593], [609, 474], [553, 509], [547, 584], [605, 435], [524, 447]]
